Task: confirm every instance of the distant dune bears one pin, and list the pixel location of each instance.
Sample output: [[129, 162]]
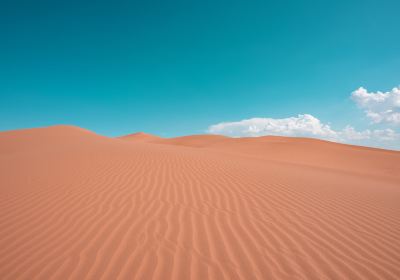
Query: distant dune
[[140, 136], [77, 205]]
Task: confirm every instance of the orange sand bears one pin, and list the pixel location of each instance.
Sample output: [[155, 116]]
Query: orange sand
[[76, 205]]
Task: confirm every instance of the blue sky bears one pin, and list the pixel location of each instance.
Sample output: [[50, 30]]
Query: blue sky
[[178, 67]]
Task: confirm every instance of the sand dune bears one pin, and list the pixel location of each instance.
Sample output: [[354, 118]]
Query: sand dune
[[77, 205], [304, 151], [140, 136]]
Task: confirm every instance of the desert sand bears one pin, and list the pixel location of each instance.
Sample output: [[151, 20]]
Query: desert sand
[[77, 205]]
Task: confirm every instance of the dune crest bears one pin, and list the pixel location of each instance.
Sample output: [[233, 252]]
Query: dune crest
[[204, 140], [77, 205], [140, 136]]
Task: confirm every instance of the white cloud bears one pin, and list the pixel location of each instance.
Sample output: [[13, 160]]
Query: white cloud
[[380, 107], [307, 126], [349, 133], [303, 125]]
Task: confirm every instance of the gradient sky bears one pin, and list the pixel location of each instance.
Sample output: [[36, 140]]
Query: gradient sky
[[176, 67]]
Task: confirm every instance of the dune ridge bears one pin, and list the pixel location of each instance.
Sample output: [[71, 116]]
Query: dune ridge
[[140, 136], [77, 205]]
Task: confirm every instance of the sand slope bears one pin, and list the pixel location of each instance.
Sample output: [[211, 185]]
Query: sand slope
[[76, 205], [140, 136]]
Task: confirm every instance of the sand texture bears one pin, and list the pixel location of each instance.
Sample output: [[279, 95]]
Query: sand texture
[[77, 205]]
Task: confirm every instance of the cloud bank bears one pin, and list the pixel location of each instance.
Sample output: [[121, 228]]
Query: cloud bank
[[304, 125], [383, 108], [380, 107]]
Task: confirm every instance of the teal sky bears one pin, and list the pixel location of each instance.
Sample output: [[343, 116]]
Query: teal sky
[[176, 67]]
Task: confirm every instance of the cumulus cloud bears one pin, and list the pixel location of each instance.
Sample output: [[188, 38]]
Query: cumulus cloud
[[380, 107], [303, 125], [306, 126]]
